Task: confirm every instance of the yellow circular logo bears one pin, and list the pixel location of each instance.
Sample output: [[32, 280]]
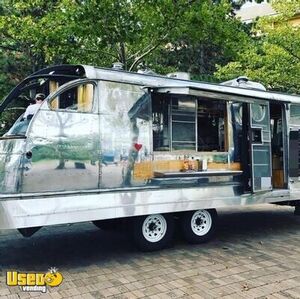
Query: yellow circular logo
[[53, 278]]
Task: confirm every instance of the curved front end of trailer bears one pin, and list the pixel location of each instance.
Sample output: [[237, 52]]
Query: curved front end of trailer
[[12, 164]]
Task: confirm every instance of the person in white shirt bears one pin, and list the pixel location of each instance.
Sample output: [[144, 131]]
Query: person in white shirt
[[32, 109], [20, 127]]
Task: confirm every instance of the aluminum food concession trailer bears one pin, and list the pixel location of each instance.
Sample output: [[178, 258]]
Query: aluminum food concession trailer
[[108, 145]]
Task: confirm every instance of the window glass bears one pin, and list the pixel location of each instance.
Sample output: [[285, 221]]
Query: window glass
[[260, 115], [211, 125], [295, 114], [183, 118], [195, 123], [12, 121], [160, 123], [78, 98]]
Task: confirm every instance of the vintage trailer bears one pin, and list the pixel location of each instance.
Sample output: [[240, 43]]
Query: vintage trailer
[[108, 145]]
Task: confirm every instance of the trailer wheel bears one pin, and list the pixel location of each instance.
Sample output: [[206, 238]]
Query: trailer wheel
[[153, 232], [199, 226]]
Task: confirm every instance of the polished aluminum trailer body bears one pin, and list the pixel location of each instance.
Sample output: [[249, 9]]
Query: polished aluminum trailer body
[[89, 161]]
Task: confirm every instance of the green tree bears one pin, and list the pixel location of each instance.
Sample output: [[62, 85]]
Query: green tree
[[274, 55], [102, 32], [94, 32], [209, 35]]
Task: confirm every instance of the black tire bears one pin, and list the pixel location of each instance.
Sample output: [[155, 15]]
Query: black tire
[[157, 227], [203, 228]]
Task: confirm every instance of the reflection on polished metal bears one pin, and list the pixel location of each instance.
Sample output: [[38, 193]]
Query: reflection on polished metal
[[11, 164], [63, 208], [66, 152], [124, 133], [87, 153]]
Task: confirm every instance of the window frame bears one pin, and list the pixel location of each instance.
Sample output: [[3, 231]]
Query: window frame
[[197, 99], [63, 88]]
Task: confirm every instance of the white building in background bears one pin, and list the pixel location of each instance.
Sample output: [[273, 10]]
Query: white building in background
[[252, 10]]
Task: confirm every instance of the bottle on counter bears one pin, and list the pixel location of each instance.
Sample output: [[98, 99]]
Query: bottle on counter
[[185, 163], [204, 164], [192, 164]]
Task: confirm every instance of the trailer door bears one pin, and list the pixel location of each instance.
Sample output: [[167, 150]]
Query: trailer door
[[294, 148], [260, 146]]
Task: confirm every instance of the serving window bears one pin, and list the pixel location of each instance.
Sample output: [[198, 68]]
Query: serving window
[[186, 123]]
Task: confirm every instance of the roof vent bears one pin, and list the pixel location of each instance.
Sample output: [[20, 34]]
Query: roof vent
[[142, 68], [244, 82], [241, 79], [180, 75], [118, 66]]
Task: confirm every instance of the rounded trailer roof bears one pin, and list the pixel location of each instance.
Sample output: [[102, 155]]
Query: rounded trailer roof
[[158, 81]]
